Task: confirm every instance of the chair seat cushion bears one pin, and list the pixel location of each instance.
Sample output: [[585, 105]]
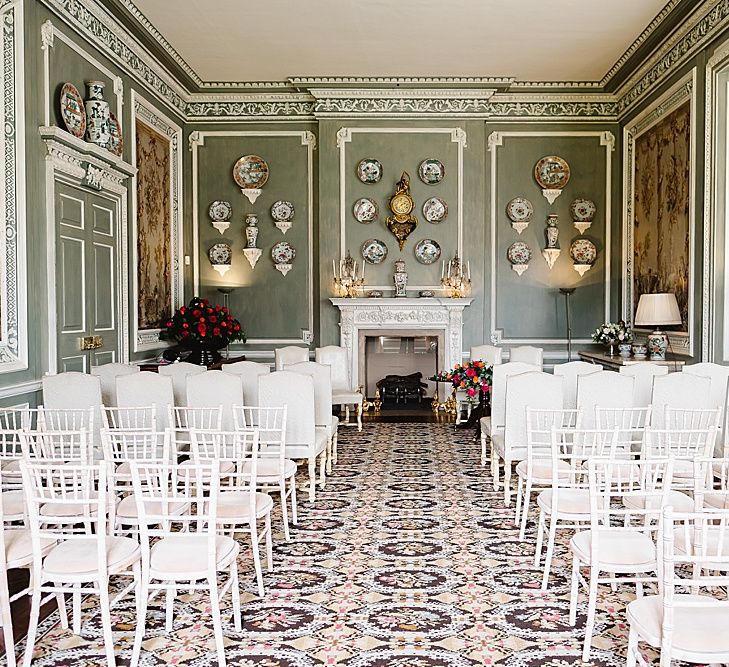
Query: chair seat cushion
[[175, 556], [711, 543], [225, 466], [695, 629], [267, 470], [19, 547], [346, 397], [78, 556], [569, 501], [622, 550], [680, 501], [127, 508], [499, 445], [13, 504], [542, 470], [235, 505]]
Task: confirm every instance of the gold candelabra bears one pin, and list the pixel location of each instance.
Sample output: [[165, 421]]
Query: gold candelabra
[[455, 277], [347, 280]]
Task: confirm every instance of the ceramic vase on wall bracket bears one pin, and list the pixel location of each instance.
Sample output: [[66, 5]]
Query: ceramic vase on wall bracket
[[552, 251], [98, 130], [252, 253], [401, 278]]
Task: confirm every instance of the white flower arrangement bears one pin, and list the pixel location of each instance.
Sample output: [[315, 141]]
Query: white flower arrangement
[[611, 333]]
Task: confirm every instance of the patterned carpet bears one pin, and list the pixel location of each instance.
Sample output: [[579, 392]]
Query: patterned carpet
[[407, 559]]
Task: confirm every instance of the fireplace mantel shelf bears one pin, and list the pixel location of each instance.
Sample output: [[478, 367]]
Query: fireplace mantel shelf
[[402, 314]]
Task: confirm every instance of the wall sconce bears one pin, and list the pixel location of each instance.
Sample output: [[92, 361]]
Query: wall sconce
[[346, 280], [552, 251], [584, 254]]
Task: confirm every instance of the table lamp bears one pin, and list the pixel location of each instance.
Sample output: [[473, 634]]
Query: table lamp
[[657, 310]]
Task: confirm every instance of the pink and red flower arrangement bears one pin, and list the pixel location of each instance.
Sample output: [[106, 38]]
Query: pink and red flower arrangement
[[473, 376], [201, 323]]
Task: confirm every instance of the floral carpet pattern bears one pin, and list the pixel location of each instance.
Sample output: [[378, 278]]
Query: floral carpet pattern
[[408, 558]]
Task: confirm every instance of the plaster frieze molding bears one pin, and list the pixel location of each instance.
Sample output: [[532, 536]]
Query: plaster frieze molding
[[439, 82], [283, 106]]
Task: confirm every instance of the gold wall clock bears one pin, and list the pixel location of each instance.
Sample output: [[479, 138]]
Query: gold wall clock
[[402, 223]]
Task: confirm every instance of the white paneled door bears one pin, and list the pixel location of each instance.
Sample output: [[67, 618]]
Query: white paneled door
[[86, 270]]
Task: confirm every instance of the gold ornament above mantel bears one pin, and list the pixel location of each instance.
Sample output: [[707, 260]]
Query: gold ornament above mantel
[[402, 223]]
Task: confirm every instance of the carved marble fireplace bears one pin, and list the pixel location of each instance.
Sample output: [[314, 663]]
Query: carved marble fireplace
[[404, 316]]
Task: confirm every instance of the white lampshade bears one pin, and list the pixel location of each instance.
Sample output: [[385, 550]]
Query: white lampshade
[[657, 310]]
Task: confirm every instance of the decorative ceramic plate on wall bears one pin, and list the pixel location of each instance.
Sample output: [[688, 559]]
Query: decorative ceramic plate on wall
[[220, 253], [369, 170], [431, 171], [250, 172], [374, 251], [283, 253], [427, 251], [116, 141], [552, 172], [583, 210], [282, 211], [365, 210], [519, 209], [435, 210], [519, 253], [583, 251], [73, 111], [220, 211]]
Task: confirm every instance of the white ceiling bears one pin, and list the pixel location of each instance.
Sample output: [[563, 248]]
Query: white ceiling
[[271, 40]]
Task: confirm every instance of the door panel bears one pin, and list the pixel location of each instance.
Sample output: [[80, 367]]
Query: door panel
[[86, 275]]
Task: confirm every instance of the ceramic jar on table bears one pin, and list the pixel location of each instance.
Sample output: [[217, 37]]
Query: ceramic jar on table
[[98, 129], [400, 278]]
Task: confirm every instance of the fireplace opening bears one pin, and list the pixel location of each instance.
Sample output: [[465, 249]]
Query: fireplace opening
[[401, 366]]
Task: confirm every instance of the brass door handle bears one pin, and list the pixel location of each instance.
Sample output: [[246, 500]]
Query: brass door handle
[[91, 342]]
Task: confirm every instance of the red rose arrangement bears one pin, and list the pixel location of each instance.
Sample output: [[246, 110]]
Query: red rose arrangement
[[471, 376], [202, 323]]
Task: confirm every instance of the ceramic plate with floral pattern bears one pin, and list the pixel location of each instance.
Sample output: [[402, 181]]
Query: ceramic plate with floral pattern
[[431, 171], [250, 172], [519, 253], [220, 211], [282, 211], [365, 210], [220, 253], [369, 170], [583, 210], [435, 210], [552, 172], [73, 111], [583, 251], [427, 251], [374, 251], [283, 253], [520, 209]]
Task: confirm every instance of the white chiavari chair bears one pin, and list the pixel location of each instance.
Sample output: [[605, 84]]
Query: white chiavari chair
[[690, 627], [711, 483], [567, 502], [183, 419], [572, 372], [275, 472], [61, 446], [240, 505], [59, 499], [182, 550], [629, 423], [535, 472], [619, 541], [142, 418]]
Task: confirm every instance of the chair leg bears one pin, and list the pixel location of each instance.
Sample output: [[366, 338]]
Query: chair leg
[[590, 624], [632, 648], [77, 609], [330, 453], [105, 605], [269, 543], [335, 444], [142, 598], [322, 470], [170, 594], [32, 625], [284, 509], [217, 621], [359, 417], [346, 414], [7, 621], [257, 558], [235, 593], [540, 539], [312, 479], [61, 604], [507, 482], [519, 494], [484, 458], [495, 467], [294, 515], [574, 589], [551, 537], [525, 509]]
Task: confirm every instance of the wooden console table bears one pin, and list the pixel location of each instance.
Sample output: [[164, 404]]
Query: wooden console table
[[614, 363]]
